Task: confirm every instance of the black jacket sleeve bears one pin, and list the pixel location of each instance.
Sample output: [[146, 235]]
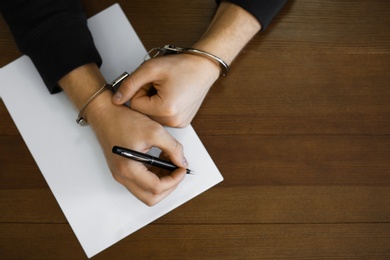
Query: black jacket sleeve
[[53, 33], [263, 10]]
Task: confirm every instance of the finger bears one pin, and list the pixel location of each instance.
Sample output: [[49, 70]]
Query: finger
[[160, 172], [144, 75], [164, 109], [171, 147], [148, 105], [150, 182], [146, 196], [145, 184]]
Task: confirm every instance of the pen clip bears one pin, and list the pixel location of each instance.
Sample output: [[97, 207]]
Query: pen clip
[[137, 158]]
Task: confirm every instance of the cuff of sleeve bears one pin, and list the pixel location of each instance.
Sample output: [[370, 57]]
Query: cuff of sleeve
[[60, 47], [263, 10]]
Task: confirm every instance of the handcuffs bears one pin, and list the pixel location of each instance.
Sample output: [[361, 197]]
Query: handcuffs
[[153, 53], [170, 49]]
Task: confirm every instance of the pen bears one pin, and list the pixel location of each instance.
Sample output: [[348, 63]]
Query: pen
[[146, 158]]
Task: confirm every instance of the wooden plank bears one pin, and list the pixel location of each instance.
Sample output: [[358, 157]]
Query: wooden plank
[[30, 206], [233, 205], [261, 242], [335, 26], [39, 241], [285, 204], [18, 169], [326, 99], [301, 159], [283, 241], [7, 126]]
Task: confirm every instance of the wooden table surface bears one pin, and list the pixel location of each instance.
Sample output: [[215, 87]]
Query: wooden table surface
[[300, 130]]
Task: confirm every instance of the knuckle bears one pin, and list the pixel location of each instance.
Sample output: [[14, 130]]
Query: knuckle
[[117, 178], [156, 190], [150, 201], [178, 147], [170, 110], [177, 122], [152, 66], [121, 173], [157, 130], [121, 170]]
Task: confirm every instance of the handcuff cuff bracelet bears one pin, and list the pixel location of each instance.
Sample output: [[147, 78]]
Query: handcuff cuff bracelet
[[166, 50], [170, 49], [113, 87]]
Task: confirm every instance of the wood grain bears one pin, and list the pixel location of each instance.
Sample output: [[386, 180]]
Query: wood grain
[[300, 130], [255, 241]]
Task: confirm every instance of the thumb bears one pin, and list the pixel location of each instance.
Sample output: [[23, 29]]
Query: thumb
[[131, 85]]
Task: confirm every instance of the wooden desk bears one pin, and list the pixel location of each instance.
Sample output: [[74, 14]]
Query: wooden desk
[[300, 129]]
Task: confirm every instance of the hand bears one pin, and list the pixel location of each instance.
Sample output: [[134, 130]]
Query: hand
[[138, 132], [119, 125], [181, 83]]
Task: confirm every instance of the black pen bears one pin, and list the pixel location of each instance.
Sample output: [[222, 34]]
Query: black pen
[[146, 158]]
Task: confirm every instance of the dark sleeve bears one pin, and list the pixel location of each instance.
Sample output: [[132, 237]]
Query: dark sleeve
[[53, 33], [263, 10]]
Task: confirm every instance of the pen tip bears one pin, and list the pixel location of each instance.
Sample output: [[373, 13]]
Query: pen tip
[[190, 172]]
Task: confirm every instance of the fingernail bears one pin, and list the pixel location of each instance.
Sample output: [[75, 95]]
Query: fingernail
[[118, 96], [185, 162]]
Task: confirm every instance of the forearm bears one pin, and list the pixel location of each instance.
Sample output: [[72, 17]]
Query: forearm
[[53, 33], [231, 29]]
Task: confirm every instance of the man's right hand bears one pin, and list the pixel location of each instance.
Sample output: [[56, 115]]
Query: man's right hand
[[119, 125]]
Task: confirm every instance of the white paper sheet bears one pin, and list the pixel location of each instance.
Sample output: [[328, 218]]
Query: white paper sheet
[[99, 210]]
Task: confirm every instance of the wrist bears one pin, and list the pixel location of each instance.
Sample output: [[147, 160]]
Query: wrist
[[82, 83], [208, 67], [231, 29], [171, 50], [96, 108]]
